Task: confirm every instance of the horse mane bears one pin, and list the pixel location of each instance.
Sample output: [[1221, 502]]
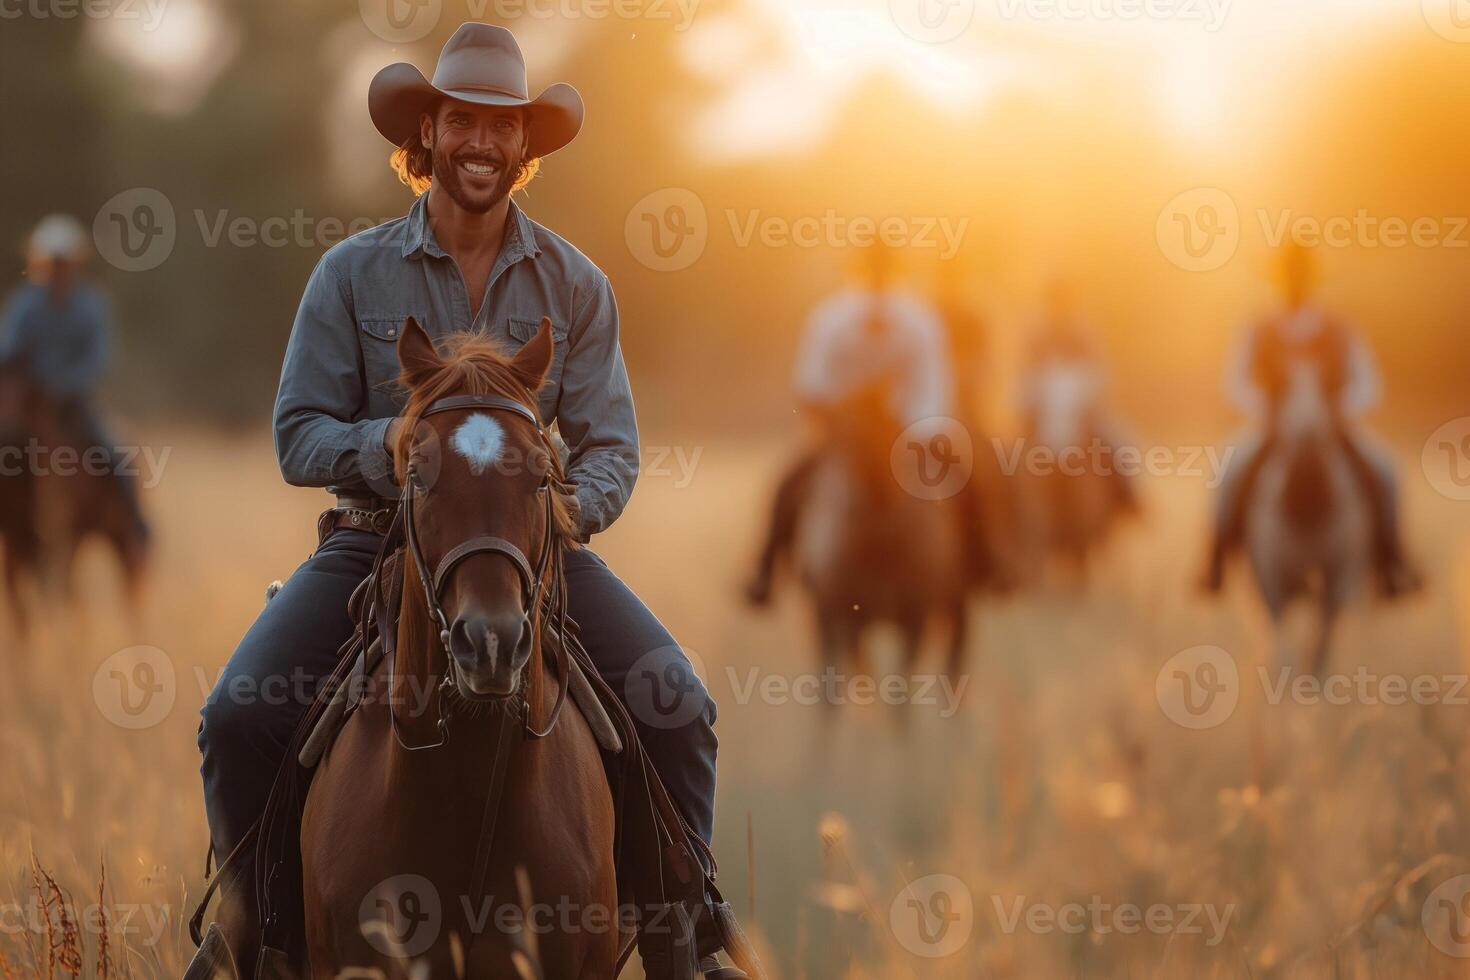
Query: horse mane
[[474, 364]]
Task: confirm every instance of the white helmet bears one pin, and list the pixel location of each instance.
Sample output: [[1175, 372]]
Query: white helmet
[[58, 236]]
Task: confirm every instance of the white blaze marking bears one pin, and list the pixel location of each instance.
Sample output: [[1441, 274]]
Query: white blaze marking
[[478, 439]]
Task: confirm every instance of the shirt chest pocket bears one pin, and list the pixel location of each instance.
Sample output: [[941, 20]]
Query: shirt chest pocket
[[379, 337]]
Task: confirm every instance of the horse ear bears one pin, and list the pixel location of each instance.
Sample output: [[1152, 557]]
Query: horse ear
[[416, 354], [533, 360]]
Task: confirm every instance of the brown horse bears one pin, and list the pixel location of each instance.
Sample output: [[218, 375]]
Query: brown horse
[[49, 508], [1067, 511], [869, 552], [396, 838]]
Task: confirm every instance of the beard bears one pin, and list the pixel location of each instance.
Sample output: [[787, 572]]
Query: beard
[[449, 175]]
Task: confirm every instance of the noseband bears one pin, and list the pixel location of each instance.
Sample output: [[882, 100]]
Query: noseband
[[537, 587]]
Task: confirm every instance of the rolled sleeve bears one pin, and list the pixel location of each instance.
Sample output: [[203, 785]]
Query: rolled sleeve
[[595, 415], [317, 443]]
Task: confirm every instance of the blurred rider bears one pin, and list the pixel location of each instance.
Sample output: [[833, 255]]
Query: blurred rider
[[56, 327], [868, 334], [1300, 330], [1064, 360]]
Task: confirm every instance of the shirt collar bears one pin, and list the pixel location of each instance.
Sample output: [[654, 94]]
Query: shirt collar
[[520, 233]]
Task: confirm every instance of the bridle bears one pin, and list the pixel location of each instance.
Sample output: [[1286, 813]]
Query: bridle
[[541, 584]]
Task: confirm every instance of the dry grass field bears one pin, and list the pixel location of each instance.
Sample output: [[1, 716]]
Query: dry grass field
[[1056, 822]]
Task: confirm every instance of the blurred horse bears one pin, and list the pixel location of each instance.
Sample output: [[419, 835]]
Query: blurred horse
[[1308, 529], [23, 412], [869, 552], [49, 508], [1067, 508]]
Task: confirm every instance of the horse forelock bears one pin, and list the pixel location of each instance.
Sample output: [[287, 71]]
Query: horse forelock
[[474, 364]]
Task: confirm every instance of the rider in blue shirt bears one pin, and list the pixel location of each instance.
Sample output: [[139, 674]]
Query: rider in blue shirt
[[56, 328]]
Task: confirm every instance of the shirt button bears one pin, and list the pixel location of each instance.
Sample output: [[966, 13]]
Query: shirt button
[[392, 331]]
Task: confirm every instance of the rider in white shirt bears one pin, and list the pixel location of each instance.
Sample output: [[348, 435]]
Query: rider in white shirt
[[1301, 330], [869, 334], [1063, 344]]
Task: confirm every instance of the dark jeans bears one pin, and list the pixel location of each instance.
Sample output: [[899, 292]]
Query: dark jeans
[[269, 682]]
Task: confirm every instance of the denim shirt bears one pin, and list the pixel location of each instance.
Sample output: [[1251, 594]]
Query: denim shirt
[[339, 385], [63, 346]]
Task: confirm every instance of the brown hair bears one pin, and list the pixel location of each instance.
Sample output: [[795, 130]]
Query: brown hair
[[413, 162]]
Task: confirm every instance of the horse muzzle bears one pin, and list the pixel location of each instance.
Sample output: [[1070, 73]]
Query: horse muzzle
[[490, 653]]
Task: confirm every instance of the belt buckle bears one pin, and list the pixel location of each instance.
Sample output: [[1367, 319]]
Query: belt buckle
[[379, 520]]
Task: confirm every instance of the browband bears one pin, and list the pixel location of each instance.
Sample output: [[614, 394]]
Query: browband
[[455, 402]]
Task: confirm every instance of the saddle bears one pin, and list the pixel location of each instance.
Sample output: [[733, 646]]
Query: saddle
[[653, 855]]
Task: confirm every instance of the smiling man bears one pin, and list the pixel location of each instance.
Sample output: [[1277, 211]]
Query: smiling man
[[464, 258]]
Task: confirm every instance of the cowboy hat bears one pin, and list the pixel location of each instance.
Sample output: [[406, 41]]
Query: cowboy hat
[[481, 63]]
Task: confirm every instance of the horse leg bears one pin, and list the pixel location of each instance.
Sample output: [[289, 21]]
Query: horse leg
[[19, 611], [1322, 644], [959, 622]]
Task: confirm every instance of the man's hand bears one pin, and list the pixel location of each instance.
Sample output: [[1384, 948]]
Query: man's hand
[[574, 510], [390, 434]]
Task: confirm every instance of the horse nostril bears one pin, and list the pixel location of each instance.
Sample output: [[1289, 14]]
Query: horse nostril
[[477, 640], [471, 638]]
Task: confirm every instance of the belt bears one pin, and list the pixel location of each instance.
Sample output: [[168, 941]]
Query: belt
[[372, 520]]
